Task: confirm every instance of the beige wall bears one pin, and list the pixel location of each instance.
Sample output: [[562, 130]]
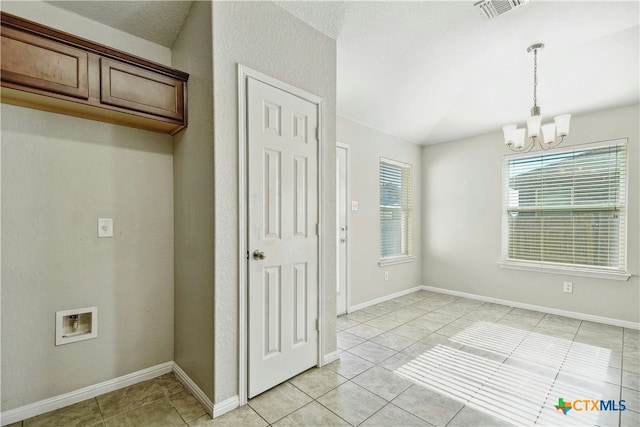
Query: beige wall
[[367, 145], [462, 223], [194, 205], [59, 174], [262, 36]]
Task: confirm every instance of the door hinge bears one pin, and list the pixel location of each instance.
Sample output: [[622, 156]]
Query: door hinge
[[317, 229], [318, 325], [247, 254], [318, 134]]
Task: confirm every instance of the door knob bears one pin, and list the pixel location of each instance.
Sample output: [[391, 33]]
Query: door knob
[[258, 254], [343, 240]]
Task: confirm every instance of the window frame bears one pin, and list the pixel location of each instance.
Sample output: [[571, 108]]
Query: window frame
[[401, 258], [558, 267]]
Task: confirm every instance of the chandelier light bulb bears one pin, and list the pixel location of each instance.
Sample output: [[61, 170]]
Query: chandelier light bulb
[[519, 138], [549, 133], [562, 124], [509, 134], [533, 126]]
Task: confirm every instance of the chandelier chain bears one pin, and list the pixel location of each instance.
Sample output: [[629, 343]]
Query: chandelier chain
[[535, 77]]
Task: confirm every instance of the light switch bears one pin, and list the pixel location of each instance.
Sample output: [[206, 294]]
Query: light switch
[[354, 205], [105, 227]]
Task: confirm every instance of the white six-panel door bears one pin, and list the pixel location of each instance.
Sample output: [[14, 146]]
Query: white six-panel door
[[282, 235]]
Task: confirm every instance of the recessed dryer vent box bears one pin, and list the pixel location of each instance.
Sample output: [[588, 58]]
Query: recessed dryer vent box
[[77, 324]]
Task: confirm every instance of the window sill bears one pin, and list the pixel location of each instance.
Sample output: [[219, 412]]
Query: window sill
[[569, 271], [397, 260]]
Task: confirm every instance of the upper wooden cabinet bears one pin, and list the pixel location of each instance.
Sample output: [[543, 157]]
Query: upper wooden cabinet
[[44, 64], [50, 70]]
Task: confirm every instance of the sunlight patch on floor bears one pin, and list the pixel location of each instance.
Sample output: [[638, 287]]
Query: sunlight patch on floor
[[525, 387]]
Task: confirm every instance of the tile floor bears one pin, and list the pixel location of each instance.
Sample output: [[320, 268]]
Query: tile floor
[[162, 401], [424, 359]]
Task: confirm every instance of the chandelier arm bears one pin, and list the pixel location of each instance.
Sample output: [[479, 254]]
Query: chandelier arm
[[513, 149], [554, 144], [531, 145], [524, 149]]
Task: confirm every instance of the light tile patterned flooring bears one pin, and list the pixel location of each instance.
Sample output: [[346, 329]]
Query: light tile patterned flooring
[[424, 359]]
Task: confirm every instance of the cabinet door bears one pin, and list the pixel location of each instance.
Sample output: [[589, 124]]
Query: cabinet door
[[38, 63], [138, 89]]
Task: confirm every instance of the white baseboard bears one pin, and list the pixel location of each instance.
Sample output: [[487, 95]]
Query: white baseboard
[[516, 304], [384, 298], [194, 389], [225, 406], [60, 401], [330, 357], [215, 410]]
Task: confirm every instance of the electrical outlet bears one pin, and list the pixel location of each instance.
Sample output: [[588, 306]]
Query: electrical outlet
[[568, 287], [105, 227], [386, 275]]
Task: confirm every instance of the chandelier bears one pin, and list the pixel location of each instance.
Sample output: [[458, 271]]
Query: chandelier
[[514, 138]]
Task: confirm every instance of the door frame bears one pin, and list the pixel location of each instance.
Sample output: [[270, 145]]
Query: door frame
[[347, 148], [244, 73]]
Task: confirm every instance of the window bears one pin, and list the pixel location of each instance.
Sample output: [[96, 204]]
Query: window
[[395, 211], [567, 208]]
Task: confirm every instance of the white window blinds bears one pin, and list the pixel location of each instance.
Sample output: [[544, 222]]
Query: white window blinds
[[395, 209], [567, 208]]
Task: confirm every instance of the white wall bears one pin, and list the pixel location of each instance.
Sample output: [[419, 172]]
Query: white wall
[[59, 174], [462, 223], [367, 145], [262, 36], [194, 205]]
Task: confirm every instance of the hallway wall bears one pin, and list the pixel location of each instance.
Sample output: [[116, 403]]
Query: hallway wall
[[259, 35], [367, 147]]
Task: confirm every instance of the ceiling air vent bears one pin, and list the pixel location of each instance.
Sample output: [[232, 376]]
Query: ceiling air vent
[[490, 9]]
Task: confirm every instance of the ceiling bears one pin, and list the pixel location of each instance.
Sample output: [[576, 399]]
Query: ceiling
[[435, 71], [156, 21]]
